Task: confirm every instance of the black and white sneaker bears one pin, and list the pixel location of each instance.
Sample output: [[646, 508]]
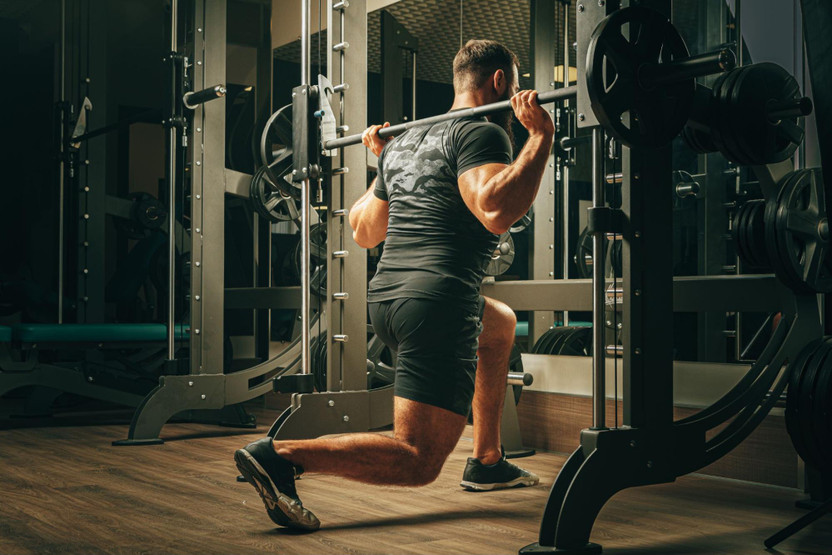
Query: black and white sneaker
[[500, 475], [274, 479]]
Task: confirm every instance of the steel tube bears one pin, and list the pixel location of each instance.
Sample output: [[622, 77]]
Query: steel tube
[[599, 293], [790, 109], [656, 75], [174, 24], [304, 203], [413, 88], [61, 169], [564, 171], [484, 110]]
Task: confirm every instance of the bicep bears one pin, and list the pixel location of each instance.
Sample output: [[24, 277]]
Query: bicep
[[471, 185]]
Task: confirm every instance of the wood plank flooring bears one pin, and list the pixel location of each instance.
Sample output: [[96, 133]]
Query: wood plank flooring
[[65, 489]]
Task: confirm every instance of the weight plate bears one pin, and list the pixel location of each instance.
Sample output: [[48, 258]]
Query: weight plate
[[738, 231], [725, 122], [502, 256], [523, 223], [796, 369], [805, 400], [583, 254], [803, 233], [757, 232], [562, 337], [550, 337], [698, 141], [537, 348], [515, 364], [276, 151], [739, 134], [774, 250], [269, 201], [821, 410], [549, 346], [655, 114], [765, 84], [577, 344]]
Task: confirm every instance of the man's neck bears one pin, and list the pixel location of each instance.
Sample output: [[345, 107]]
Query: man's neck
[[468, 99]]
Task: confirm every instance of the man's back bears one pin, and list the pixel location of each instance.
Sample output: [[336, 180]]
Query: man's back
[[435, 247]]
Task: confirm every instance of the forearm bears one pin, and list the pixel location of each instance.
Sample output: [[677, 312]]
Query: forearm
[[507, 195]]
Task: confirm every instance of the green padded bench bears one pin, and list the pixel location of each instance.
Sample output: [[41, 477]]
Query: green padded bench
[[94, 333], [521, 329], [5, 334]]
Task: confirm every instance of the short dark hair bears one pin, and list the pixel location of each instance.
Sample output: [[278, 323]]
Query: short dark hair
[[478, 60]]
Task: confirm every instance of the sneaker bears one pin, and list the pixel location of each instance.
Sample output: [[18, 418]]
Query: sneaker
[[500, 475], [274, 479]]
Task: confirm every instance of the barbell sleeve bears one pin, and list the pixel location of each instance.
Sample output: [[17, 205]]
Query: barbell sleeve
[[656, 75], [790, 109], [484, 110], [194, 99]]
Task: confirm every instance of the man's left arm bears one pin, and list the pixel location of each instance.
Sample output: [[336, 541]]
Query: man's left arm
[[368, 219], [368, 216]]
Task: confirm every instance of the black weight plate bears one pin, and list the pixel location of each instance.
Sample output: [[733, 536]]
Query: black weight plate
[[559, 336], [821, 410], [563, 340], [698, 141], [727, 123], [738, 231], [770, 217], [758, 237], [551, 339], [767, 83], [793, 417], [537, 347], [276, 150], [582, 250], [806, 253], [577, 343], [740, 129], [718, 125], [805, 401], [656, 114]]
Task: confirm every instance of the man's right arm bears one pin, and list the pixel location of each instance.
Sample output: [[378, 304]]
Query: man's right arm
[[497, 194]]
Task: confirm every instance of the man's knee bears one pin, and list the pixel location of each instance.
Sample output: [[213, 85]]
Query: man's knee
[[427, 467], [498, 323]]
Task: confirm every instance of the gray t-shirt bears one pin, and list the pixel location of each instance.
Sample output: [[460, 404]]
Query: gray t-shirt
[[435, 247]]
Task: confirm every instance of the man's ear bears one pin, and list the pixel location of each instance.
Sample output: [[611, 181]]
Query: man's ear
[[499, 81]]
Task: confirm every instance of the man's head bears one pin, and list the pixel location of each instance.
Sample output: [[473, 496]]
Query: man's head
[[487, 70]]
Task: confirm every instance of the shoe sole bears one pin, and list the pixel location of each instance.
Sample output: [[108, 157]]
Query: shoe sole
[[521, 482], [282, 509]]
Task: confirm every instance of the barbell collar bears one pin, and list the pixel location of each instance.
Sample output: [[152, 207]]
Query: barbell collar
[[484, 110], [194, 99], [656, 75]]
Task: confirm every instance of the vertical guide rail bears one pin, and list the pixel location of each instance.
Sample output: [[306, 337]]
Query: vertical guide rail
[[598, 287], [304, 202], [61, 168], [565, 163], [413, 85], [174, 24]]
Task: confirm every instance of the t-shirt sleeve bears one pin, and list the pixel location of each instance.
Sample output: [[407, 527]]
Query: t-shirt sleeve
[[380, 190], [478, 143]]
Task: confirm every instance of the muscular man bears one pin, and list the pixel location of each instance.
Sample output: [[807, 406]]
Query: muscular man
[[443, 194]]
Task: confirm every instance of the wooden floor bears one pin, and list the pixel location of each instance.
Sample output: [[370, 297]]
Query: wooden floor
[[65, 489]]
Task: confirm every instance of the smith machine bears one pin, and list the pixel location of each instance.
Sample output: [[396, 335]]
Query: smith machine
[[637, 87]]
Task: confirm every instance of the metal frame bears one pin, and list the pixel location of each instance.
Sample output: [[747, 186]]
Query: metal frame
[[651, 448], [542, 263]]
